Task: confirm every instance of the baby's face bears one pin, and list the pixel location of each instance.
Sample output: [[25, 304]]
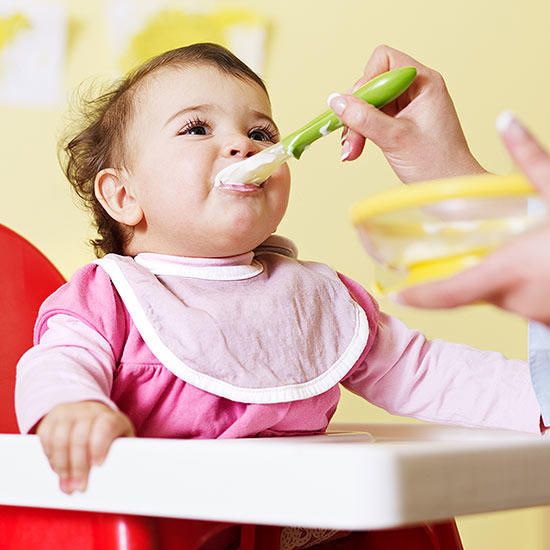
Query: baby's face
[[189, 123]]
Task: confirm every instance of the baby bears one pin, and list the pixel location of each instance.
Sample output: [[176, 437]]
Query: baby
[[197, 322]]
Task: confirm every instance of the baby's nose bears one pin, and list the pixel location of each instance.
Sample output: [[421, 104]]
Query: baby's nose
[[242, 147]]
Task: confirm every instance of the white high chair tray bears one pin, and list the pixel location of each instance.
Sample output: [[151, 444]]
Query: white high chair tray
[[357, 477]]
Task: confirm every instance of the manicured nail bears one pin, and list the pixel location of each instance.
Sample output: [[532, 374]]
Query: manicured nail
[[344, 136], [346, 150], [507, 123], [337, 103]]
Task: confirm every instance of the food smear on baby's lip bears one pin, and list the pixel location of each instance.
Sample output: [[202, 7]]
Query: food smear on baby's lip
[[239, 187], [254, 170]]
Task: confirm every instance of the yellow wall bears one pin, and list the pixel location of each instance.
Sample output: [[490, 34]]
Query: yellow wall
[[494, 55]]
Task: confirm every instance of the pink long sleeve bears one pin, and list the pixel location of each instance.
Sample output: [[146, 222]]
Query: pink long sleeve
[[72, 362], [408, 375]]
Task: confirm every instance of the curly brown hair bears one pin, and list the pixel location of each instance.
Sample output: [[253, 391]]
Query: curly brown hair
[[100, 140]]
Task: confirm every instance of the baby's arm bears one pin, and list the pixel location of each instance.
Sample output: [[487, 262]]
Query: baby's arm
[[408, 375], [62, 390]]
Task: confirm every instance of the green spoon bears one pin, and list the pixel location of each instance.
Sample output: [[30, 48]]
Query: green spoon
[[255, 170]]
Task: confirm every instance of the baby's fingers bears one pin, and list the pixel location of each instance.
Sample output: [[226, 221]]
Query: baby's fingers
[[44, 432], [58, 445], [79, 455], [106, 428]]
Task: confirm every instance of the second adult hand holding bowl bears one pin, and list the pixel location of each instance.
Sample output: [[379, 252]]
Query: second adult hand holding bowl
[[432, 230]]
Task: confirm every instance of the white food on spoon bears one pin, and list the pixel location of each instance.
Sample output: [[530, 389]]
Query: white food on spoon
[[253, 170]]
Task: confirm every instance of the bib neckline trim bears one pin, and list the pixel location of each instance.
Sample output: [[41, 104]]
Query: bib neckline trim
[[234, 268]]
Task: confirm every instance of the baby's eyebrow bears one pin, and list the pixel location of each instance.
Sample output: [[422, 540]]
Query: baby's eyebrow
[[203, 107], [263, 116]]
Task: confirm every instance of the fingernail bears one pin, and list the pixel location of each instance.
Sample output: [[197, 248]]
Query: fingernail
[[337, 103], [344, 136], [78, 484], [346, 150], [508, 123], [65, 485]]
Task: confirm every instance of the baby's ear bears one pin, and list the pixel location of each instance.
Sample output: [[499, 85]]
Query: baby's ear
[[113, 191]]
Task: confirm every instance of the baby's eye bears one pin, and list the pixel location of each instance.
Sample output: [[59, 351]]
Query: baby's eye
[[195, 127], [195, 131], [262, 134]]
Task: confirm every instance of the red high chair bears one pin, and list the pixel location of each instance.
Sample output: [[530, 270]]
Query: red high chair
[[27, 277]]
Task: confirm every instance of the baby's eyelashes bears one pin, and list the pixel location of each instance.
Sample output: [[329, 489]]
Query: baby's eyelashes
[[195, 127], [200, 127], [264, 133]]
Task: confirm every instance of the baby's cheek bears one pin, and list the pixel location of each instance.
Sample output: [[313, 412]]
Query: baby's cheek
[[284, 173]]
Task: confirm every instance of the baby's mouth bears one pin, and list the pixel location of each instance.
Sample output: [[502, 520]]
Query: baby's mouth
[[243, 172], [242, 187]]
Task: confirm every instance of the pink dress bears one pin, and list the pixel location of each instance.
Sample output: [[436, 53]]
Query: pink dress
[[254, 345]]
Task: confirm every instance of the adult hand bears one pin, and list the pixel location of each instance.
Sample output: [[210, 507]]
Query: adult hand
[[517, 276], [76, 436], [419, 133]]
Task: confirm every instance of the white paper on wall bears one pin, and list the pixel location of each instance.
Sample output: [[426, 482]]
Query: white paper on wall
[[143, 28], [32, 52]]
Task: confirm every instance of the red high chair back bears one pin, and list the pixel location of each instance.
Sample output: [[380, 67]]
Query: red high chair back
[[27, 277]]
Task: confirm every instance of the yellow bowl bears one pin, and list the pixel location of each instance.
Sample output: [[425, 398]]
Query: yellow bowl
[[430, 230]]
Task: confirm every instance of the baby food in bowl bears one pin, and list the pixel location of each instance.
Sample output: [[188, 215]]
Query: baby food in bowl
[[425, 231]]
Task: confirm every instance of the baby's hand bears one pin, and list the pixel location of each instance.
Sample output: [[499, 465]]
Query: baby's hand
[[76, 436]]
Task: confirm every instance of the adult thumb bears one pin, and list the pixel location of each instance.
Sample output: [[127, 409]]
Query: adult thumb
[[526, 152], [366, 120]]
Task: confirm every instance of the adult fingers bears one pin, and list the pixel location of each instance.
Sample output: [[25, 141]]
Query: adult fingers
[[378, 63], [352, 142], [480, 283], [383, 59], [367, 121], [352, 145], [527, 153]]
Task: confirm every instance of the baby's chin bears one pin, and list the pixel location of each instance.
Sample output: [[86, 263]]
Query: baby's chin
[[241, 243], [229, 244]]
